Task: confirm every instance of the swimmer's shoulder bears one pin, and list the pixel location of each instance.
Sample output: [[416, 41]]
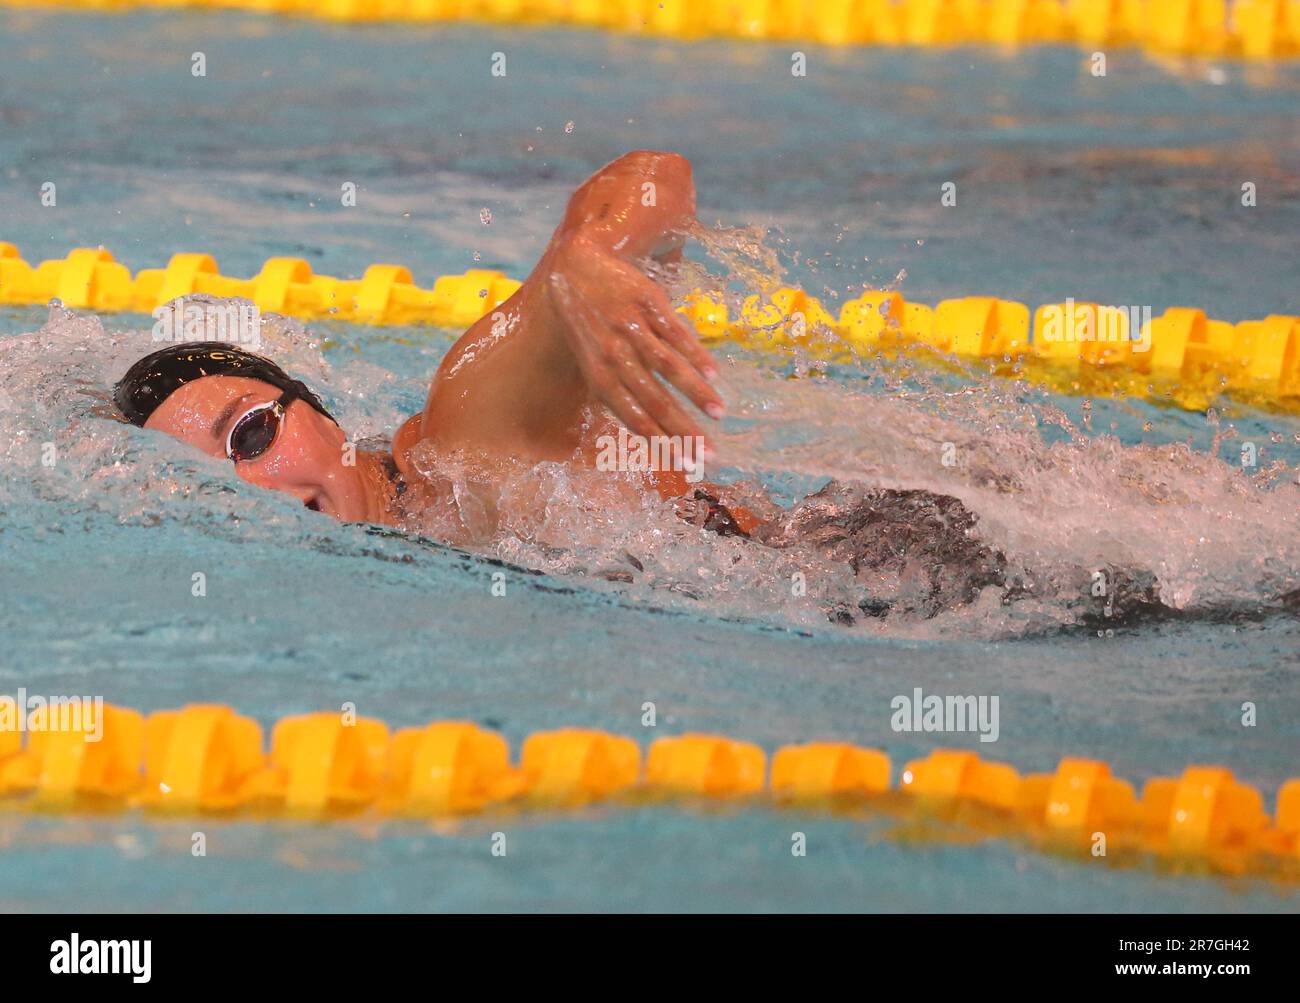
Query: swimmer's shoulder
[[407, 437]]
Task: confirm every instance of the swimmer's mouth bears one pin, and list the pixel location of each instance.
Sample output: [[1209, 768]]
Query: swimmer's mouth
[[313, 504]]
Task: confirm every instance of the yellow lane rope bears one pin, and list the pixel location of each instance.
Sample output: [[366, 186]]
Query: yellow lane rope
[[207, 758], [1181, 356], [1254, 29]]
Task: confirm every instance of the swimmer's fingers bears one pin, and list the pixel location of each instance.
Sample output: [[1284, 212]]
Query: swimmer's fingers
[[624, 405], [584, 328], [619, 351], [653, 397], [672, 328], [679, 373], [601, 352], [595, 345]]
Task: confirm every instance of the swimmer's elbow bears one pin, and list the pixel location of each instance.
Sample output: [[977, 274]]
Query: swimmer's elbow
[[664, 184], [664, 168], [658, 161], [638, 205]]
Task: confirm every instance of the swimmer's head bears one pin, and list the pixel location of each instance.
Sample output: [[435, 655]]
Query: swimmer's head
[[241, 407]]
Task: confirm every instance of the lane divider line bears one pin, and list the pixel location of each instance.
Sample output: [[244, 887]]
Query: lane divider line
[[208, 759], [1182, 356], [1250, 29]]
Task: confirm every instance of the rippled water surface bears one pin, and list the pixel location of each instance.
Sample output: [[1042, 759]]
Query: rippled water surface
[[1122, 189]]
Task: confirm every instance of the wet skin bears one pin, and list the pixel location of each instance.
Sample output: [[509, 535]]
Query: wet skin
[[588, 333], [308, 458]]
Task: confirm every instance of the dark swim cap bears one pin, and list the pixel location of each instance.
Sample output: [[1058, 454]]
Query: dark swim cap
[[156, 377]]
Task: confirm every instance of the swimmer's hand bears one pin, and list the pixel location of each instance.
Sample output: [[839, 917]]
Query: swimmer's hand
[[624, 335], [586, 328]]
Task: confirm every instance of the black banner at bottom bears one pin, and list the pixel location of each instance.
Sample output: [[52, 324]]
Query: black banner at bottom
[[370, 952]]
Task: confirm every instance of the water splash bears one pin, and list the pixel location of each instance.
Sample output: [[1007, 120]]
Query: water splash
[[1057, 503]]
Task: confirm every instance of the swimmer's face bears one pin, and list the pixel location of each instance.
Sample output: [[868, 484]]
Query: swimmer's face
[[305, 458]]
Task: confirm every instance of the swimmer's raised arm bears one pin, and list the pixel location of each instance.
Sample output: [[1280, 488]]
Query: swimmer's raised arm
[[587, 327]]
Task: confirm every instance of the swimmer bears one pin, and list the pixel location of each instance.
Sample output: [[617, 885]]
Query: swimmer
[[587, 343], [587, 334]]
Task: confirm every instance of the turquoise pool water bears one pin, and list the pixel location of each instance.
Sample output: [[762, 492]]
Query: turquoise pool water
[[1123, 190]]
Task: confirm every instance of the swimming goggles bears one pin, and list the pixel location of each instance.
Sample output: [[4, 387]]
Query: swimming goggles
[[258, 428]]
